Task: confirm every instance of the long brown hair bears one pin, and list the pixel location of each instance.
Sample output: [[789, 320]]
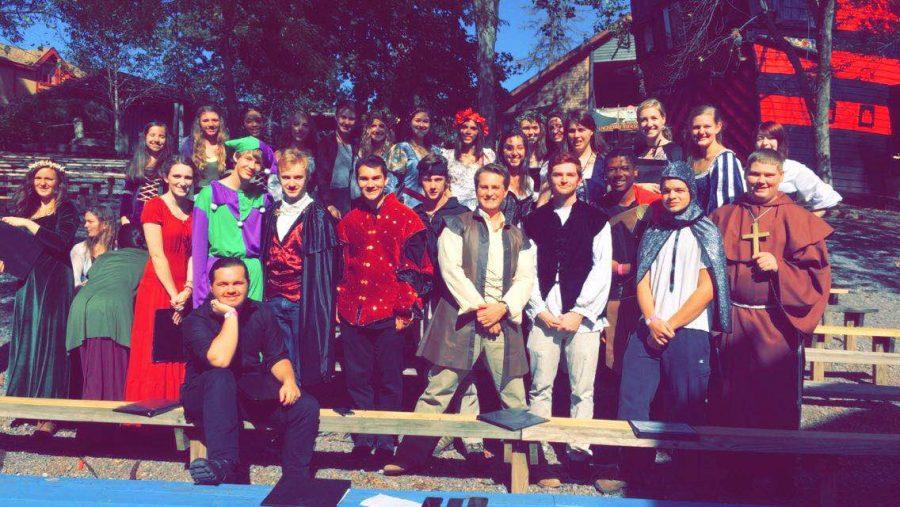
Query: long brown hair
[[137, 166], [199, 156], [27, 200], [365, 145], [107, 237]]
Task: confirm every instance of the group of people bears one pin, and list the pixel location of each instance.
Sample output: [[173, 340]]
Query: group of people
[[498, 264]]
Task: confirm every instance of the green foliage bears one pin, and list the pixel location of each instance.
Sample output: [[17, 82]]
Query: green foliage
[[18, 15]]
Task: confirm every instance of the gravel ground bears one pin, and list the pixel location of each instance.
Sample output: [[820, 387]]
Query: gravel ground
[[865, 258]]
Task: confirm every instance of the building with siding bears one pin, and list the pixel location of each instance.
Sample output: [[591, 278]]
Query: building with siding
[[24, 72], [600, 73], [758, 83]]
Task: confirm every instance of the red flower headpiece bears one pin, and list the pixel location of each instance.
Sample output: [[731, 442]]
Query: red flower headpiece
[[471, 115]]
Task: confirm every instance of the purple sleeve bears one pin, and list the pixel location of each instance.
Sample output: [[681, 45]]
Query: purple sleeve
[[270, 155], [200, 255]]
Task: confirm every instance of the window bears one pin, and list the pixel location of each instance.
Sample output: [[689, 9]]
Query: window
[[667, 26], [648, 38], [866, 115]]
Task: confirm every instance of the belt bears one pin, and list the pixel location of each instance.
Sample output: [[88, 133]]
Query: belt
[[752, 307]]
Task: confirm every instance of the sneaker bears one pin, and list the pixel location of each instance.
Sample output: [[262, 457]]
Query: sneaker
[[549, 482], [609, 486], [393, 470], [211, 472]]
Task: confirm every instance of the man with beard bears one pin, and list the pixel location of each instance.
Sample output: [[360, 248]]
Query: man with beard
[[386, 280], [488, 266], [301, 265]]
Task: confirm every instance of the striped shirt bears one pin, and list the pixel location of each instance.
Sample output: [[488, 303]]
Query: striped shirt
[[721, 183]]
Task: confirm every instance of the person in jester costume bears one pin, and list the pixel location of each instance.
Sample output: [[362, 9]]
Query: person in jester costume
[[228, 219]]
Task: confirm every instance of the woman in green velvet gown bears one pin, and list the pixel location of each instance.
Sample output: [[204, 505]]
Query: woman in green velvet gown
[[38, 363]]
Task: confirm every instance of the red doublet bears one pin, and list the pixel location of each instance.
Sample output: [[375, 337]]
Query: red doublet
[[643, 196], [285, 265], [375, 244]]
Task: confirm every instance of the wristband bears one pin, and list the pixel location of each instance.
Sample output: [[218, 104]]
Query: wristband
[[651, 319], [230, 313]]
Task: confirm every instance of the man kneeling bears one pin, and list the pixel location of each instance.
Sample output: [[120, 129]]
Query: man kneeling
[[226, 383]]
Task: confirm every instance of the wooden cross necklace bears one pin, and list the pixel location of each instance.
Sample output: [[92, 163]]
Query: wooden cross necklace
[[755, 235]]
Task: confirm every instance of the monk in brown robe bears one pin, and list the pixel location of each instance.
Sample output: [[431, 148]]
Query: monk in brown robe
[[779, 274]]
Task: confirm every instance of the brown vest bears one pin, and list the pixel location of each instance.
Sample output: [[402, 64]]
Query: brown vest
[[450, 339]]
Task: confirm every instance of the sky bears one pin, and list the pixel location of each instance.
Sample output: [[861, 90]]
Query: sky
[[514, 35]]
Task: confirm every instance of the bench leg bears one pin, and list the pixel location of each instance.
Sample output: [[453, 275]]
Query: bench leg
[[852, 319], [879, 373], [818, 368], [516, 454], [181, 440]]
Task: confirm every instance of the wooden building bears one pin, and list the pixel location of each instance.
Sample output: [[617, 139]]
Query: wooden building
[[600, 73], [758, 83], [24, 72]]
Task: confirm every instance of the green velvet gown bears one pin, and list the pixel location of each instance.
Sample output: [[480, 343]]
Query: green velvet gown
[[38, 363]]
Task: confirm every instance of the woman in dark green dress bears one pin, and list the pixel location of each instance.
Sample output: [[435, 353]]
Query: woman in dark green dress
[[38, 364]]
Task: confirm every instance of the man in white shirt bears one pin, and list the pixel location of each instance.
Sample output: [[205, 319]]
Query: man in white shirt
[[574, 254], [488, 267]]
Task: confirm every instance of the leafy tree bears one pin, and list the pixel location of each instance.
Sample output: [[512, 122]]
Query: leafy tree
[[18, 15]]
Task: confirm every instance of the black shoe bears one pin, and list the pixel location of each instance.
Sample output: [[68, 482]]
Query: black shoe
[[580, 470], [360, 456], [211, 472], [476, 460], [382, 457]]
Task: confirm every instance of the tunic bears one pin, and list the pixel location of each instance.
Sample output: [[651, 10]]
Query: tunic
[[104, 307], [760, 360], [227, 223], [721, 183], [38, 366]]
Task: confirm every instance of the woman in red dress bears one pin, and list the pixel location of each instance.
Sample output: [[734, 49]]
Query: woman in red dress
[[167, 283]]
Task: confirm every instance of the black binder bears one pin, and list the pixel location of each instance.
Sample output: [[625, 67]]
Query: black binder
[[512, 418], [307, 493], [656, 429], [19, 250], [149, 408], [168, 345]]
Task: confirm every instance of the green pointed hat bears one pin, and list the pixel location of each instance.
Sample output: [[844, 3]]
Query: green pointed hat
[[243, 144]]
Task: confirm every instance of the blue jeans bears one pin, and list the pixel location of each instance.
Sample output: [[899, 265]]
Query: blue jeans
[[287, 316]]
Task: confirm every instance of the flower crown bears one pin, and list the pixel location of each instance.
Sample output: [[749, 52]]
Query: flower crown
[[40, 164], [470, 115]]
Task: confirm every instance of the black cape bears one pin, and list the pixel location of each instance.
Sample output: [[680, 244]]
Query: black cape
[[321, 251]]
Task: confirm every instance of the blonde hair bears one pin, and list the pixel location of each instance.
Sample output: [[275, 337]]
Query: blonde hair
[[199, 156], [292, 157], [653, 103]]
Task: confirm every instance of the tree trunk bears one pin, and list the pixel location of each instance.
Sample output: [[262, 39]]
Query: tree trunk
[[825, 25], [486, 31], [119, 142], [226, 52]]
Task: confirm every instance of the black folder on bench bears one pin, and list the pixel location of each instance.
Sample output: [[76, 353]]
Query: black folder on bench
[[307, 493], [168, 344], [148, 408], [18, 250], [512, 419], [656, 429]]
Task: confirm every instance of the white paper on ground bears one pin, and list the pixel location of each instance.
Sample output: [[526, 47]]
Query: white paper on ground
[[382, 500]]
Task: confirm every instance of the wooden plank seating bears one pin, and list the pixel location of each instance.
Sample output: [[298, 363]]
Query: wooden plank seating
[[519, 445], [883, 339], [851, 390]]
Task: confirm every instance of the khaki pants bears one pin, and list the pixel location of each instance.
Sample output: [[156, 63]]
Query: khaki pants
[[581, 351]]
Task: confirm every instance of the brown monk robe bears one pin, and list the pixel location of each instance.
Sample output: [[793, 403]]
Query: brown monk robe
[[760, 361]]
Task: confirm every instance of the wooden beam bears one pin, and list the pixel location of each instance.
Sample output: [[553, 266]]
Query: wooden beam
[[852, 357], [748, 440], [850, 390], [858, 331]]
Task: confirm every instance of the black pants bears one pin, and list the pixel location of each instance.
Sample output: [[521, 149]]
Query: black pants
[[211, 400], [680, 371], [373, 368]]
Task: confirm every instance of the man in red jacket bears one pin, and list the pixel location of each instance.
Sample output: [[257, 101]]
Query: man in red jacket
[[387, 275]]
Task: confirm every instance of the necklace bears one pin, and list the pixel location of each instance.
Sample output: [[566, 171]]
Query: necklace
[[756, 218]]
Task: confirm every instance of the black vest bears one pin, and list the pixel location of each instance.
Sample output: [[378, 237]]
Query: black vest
[[564, 249]]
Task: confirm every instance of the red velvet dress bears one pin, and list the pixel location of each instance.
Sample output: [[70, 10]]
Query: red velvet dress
[[146, 379]]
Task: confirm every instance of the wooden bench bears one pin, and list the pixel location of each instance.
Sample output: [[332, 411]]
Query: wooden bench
[[883, 345], [850, 390], [372, 422]]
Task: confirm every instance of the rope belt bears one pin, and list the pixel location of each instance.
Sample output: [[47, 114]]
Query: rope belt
[[751, 307]]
